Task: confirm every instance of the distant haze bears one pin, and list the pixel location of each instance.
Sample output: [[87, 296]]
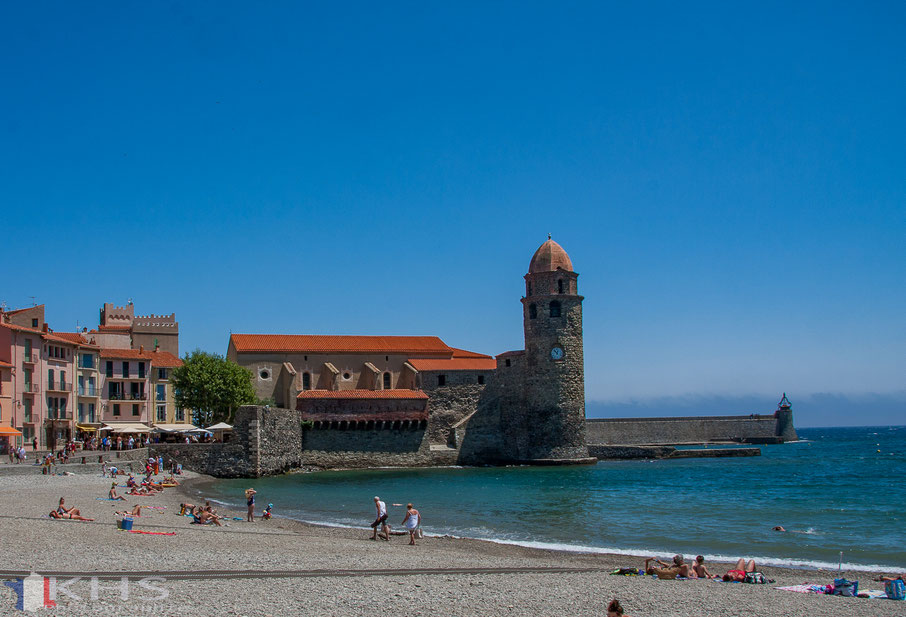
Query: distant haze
[[820, 409]]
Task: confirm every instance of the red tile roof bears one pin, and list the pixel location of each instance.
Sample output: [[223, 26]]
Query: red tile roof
[[75, 337], [462, 353], [454, 364], [28, 308], [315, 343], [363, 394], [161, 359], [511, 353]]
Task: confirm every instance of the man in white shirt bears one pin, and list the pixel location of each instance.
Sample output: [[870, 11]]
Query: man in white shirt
[[381, 520]]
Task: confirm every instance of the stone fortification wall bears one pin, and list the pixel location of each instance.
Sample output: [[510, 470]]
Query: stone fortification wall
[[447, 406], [628, 431], [360, 448], [215, 459]]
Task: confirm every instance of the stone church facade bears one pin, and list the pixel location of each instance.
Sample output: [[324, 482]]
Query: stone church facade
[[416, 400]]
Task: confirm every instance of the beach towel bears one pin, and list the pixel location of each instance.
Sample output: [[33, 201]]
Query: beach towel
[[806, 588], [153, 533], [874, 594]]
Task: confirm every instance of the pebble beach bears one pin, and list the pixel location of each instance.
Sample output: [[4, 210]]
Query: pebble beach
[[430, 585]]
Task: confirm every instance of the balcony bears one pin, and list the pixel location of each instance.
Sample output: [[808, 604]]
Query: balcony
[[59, 387], [28, 418], [129, 396], [89, 392], [59, 416], [32, 388], [30, 358]]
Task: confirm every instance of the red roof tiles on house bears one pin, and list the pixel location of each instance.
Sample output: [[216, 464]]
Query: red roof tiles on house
[[363, 394], [454, 364], [28, 308], [463, 353], [316, 343], [161, 359]]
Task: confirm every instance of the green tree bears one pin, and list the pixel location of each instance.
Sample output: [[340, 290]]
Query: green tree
[[212, 387]]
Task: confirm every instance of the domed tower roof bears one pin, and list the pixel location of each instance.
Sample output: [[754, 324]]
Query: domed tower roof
[[549, 257]]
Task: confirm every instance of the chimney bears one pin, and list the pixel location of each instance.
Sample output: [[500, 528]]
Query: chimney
[[141, 348], [156, 346]]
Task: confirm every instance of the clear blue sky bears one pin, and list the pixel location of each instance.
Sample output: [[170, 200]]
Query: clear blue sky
[[729, 180]]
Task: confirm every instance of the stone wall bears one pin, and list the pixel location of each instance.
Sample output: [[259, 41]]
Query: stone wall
[[362, 448], [679, 430], [449, 405]]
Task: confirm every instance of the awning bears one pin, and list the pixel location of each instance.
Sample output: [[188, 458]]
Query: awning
[[220, 426], [174, 428], [8, 431], [85, 428], [126, 427]]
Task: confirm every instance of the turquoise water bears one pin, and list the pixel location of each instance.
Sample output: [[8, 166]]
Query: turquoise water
[[834, 488]]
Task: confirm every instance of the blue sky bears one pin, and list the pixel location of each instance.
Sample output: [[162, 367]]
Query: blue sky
[[729, 181]]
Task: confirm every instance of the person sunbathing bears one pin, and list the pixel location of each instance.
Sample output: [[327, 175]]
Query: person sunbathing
[[207, 518], [135, 511], [669, 571], [75, 517], [131, 483], [738, 574], [888, 579], [112, 494], [701, 571]]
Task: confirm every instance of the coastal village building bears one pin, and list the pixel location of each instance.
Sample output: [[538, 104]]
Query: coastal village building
[[55, 386]]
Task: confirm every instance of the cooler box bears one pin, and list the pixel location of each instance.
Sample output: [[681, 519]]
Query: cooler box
[[125, 524]]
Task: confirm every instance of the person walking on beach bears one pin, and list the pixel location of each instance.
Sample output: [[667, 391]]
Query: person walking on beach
[[411, 522], [381, 520], [250, 501]]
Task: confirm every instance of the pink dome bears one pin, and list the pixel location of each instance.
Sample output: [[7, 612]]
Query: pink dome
[[549, 257]]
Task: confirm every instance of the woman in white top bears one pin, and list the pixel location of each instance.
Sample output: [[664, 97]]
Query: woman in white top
[[411, 522]]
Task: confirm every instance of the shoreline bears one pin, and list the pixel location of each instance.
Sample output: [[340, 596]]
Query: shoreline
[[455, 577], [198, 483]]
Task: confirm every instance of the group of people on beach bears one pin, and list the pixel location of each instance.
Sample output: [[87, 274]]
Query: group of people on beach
[[679, 568], [411, 522]]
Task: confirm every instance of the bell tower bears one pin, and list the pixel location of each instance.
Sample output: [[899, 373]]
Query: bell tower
[[553, 418]]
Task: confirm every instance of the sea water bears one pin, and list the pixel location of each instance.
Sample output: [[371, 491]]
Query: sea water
[[838, 489]]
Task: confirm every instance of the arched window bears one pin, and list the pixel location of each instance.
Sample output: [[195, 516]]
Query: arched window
[[560, 286], [529, 288], [306, 381], [386, 381], [532, 311], [555, 309]]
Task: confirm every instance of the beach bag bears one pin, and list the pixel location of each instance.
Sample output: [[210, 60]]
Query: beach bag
[[896, 590], [843, 587], [755, 578]]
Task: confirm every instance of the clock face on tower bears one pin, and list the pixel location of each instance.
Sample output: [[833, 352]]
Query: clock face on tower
[[556, 353]]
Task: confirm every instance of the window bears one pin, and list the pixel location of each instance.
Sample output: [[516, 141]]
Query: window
[[560, 286], [161, 413], [50, 379], [26, 402], [81, 412], [441, 380], [115, 390], [34, 322], [386, 381], [62, 380], [347, 376], [555, 309], [81, 386], [141, 370], [91, 388], [161, 392], [180, 415], [116, 409], [134, 409], [264, 374], [62, 408], [91, 412], [125, 369], [28, 350], [162, 374], [306, 381], [529, 288], [481, 380], [109, 368], [87, 360], [532, 311], [506, 362]]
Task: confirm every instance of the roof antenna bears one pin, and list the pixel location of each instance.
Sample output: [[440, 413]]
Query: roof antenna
[[33, 303]]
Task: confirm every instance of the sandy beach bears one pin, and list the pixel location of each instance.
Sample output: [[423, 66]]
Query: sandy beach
[[433, 577]]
